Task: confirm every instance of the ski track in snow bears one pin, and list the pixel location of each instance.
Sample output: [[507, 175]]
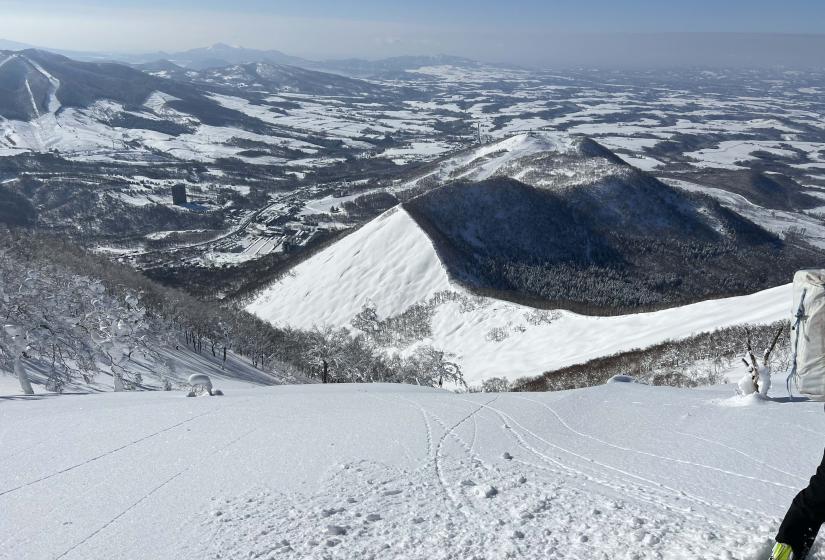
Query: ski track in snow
[[480, 520], [102, 455], [438, 458], [148, 495], [800, 479], [380, 471], [31, 98], [644, 484], [654, 455]]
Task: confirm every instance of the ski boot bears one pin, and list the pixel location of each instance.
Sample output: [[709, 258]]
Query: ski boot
[[782, 551]]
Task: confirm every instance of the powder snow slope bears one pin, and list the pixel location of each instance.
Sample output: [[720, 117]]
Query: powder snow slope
[[620, 471], [391, 264]]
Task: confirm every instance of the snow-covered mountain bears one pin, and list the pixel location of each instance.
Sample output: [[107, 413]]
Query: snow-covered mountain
[[267, 76], [54, 82], [562, 220], [28, 90], [55, 103], [517, 157], [390, 265], [221, 54], [113, 112], [583, 231]]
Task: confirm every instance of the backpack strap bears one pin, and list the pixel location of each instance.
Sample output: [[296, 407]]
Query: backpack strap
[[792, 375]]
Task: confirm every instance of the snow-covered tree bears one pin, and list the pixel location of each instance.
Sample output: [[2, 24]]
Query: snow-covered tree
[[68, 322], [435, 368], [495, 385]]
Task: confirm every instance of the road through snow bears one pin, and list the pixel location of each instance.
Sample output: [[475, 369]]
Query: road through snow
[[383, 471]]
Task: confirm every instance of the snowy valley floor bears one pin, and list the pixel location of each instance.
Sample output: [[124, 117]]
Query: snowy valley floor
[[381, 471]]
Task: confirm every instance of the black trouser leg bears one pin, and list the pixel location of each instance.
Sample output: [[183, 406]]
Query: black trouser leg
[[806, 514]]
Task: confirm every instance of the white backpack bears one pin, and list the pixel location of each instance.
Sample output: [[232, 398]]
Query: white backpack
[[808, 333]]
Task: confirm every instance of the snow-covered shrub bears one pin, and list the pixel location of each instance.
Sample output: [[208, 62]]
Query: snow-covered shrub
[[538, 317], [199, 383], [495, 385], [497, 334], [699, 360], [746, 384]]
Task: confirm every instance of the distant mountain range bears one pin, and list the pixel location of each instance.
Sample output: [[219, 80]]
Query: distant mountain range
[[52, 103], [265, 75], [221, 55], [34, 82]]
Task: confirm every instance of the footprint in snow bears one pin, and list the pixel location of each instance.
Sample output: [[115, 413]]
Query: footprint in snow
[[331, 511], [487, 491], [336, 530]]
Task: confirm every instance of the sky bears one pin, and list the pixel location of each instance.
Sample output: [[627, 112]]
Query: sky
[[529, 32]]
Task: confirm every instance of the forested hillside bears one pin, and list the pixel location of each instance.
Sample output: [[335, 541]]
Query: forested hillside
[[618, 243]]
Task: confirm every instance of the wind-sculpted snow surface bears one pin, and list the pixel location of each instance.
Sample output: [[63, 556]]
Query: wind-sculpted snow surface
[[389, 262], [622, 471]]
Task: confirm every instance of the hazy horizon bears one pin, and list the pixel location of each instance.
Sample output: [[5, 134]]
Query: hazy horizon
[[639, 33]]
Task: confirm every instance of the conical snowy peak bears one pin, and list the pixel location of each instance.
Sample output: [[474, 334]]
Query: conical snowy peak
[[389, 263]]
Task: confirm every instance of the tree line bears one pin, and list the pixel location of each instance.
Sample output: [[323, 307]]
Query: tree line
[[702, 359], [79, 314]]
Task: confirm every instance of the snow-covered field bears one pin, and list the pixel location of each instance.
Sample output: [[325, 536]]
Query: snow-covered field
[[620, 471], [775, 221], [391, 264], [485, 161]]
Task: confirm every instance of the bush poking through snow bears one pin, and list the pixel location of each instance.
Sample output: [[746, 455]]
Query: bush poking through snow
[[758, 378]]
